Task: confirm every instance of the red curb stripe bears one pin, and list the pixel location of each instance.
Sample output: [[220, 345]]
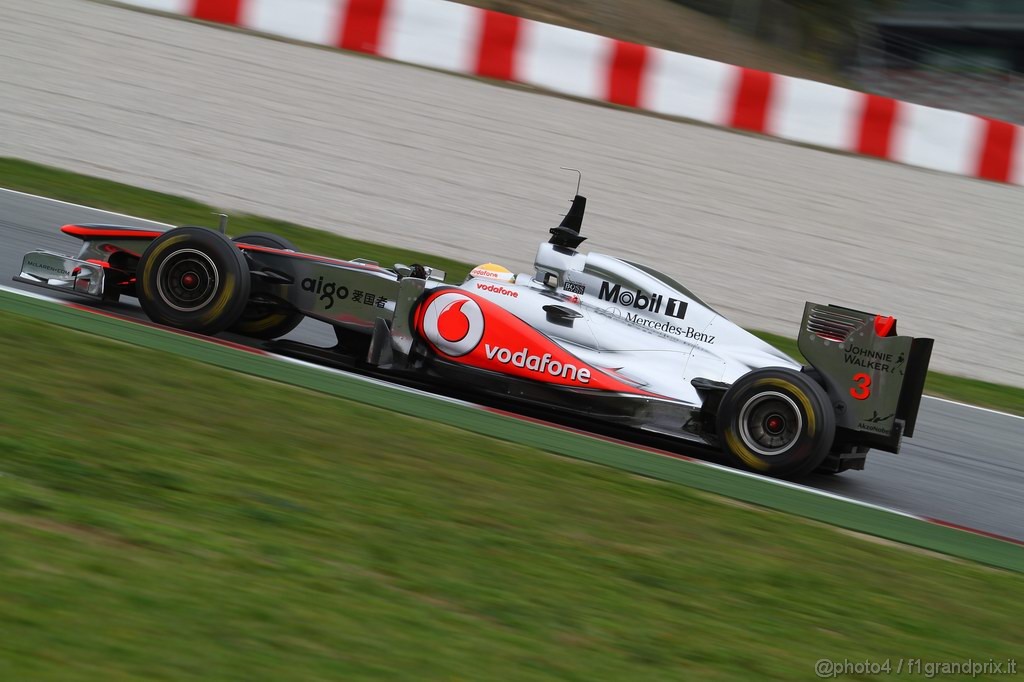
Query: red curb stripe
[[589, 434], [360, 30], [625, 73], [154, 325], [364, 27], [996, 162], [495, 54], [697, 460], [221, 11], [975, 531], [753, 97], [874, 138], [256, 351]]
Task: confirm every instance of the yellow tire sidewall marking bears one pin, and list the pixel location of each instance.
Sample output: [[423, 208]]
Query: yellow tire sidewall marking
[[796, 393], [221, 302], [749, 458], [171, 241], [736, 444], [262, 323]]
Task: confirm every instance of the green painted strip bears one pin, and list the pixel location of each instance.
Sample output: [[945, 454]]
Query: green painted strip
[[747, 489]]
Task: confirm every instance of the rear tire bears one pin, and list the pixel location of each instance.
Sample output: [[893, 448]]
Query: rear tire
[[266, 320], [777, 422], [194, 279], [268, 239]]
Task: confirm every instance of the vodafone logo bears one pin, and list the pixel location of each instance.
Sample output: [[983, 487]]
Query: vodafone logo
[[497, 289], [542, 364], [454, 323], [492, 271]]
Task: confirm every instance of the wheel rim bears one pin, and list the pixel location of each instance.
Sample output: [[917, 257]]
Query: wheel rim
[[770, 423], [187, 280]]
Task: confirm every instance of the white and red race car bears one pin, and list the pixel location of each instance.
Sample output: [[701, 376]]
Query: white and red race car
[[586, 335]]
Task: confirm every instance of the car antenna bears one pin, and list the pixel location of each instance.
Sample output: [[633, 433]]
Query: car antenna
[[579, 176], [567, 234], [222, 222]]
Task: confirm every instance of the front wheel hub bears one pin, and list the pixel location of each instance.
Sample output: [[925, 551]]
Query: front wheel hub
[[187, 280]]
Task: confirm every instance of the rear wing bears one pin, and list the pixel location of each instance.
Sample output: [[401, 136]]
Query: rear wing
[[873, 376]]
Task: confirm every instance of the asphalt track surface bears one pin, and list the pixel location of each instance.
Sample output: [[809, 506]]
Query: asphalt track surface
[[963, 467], [443, 164]]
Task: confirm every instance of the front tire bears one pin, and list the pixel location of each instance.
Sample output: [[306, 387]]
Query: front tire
[[194, 279], [777, 422], [266, 320]]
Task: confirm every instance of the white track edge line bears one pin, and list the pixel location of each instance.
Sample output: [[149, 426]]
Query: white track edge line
[[380, 382], [975, 407], [90, 208], [370, 380], [31, 294]]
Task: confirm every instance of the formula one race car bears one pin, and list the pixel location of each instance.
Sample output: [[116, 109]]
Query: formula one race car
[[585, 335]]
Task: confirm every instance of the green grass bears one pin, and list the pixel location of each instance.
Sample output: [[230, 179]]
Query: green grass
[[81, 189], [112, 196], [162, 519], [575, 445]]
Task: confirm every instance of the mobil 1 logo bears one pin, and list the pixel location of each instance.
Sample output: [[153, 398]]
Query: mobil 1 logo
[[652, 303]]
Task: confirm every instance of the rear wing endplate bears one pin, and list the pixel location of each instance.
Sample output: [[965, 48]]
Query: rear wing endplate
[[873, 376]]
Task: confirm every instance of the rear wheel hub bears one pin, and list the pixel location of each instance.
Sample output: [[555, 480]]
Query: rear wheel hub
[[770, 423]]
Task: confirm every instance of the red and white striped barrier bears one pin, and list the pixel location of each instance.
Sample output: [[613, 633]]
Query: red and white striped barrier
[[455, 37]]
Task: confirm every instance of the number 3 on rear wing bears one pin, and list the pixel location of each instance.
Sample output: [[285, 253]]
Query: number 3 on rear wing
[[873, 377]]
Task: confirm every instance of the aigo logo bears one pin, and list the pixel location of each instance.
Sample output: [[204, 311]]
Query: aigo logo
[[454, 323], [326, 291]]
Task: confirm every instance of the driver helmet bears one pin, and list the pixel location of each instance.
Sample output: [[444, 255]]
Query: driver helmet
[[493, 272]]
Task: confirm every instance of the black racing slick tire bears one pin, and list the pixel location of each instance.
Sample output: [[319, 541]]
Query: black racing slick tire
[[262, 320], [777, 422], [194, 279], [265, 239]]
